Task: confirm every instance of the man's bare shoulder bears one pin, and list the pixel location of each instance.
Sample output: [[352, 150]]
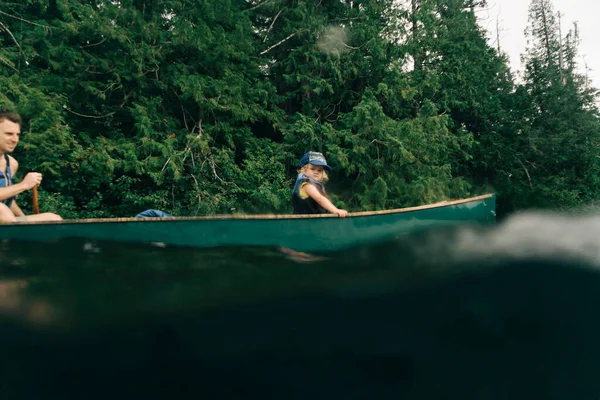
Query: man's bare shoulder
[[14, 164]]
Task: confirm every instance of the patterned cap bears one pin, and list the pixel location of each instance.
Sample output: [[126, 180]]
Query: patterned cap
[[314, 158]]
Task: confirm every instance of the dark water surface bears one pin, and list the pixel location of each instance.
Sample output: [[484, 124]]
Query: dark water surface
[[507, 312]]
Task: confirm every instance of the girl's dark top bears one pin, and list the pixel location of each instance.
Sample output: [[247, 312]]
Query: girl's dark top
[[306, 204]]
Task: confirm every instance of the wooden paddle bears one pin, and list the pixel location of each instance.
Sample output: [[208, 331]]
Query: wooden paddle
[[36, 207]]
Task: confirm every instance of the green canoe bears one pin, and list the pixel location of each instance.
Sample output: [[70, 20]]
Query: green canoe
[[308, 233]]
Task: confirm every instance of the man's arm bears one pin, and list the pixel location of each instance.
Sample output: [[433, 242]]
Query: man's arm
[[12, 190], [16, 209], [31, 179]]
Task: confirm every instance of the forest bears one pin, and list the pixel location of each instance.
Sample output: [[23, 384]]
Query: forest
[[199, 107]]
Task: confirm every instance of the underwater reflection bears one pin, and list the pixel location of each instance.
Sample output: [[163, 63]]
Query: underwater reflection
[[15, 303], [417, 318]]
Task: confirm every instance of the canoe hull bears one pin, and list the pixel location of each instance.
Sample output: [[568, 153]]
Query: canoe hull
[[301, 233]]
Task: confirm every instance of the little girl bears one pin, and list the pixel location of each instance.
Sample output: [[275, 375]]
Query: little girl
[[308, 196]]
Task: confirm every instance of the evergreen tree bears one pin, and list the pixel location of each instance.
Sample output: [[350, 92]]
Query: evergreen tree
[[556, 163], [160, 97], [200, 107]]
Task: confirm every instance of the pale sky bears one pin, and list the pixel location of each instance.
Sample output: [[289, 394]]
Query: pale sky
[[512, 16]]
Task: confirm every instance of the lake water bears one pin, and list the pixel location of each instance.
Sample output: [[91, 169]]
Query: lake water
[[503, 312]]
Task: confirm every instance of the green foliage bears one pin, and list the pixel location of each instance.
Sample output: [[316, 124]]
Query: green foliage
[[555, 155], [201, 107]]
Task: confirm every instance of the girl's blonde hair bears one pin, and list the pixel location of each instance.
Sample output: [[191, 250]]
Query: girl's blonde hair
[[304, 168]]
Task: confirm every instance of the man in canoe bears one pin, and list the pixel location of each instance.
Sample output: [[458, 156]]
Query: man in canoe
[[309, 196], [10, 129]]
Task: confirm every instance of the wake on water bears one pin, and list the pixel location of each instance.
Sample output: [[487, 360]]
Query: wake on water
[[500, 312], [541, 235]]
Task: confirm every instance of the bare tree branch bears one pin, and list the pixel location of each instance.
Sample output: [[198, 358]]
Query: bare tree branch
[[24, 20], [527, 172], [165, 166], [213, 166], [89, 116], [4, 27], [198, 193], [271, 26], [8, 63], [258, 5], [93, 44], [277, 44], [349, 47]]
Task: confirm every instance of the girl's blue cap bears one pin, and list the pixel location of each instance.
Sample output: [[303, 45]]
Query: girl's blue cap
[[314, 158]]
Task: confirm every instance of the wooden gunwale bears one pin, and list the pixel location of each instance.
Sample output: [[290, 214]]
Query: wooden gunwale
[[250, 216]]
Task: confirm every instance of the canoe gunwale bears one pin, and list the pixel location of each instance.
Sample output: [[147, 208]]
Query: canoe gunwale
[[252, 216]]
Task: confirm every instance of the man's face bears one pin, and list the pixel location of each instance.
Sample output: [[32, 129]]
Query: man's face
[[9, 136]]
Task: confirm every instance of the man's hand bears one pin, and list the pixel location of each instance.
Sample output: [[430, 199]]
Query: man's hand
[[31, 179]]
